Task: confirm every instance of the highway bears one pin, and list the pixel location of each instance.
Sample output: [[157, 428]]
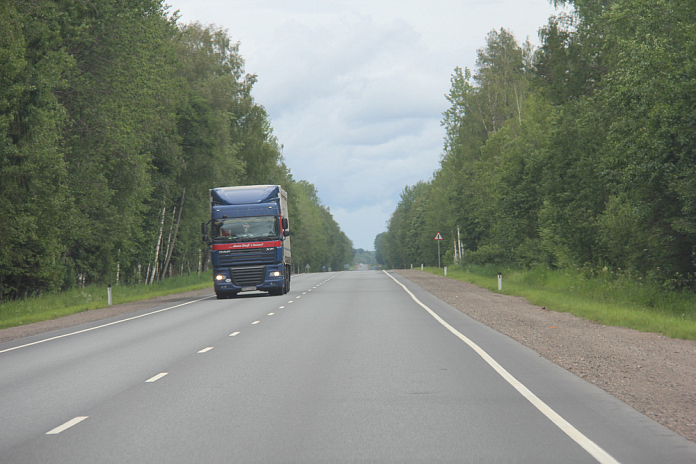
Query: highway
[[347, 367]]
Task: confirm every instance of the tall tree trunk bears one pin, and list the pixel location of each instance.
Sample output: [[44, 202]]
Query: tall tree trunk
[[157, 248], [170, 250], [163, 273]]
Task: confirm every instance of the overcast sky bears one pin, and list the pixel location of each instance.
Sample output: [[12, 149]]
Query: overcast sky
[[355, 89]]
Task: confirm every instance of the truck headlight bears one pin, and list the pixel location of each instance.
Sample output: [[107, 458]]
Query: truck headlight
[[219, 277], [275, 274]]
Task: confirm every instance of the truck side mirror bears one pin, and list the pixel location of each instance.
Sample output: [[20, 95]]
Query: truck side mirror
[[286, 233], [285, 223], [204, 231]]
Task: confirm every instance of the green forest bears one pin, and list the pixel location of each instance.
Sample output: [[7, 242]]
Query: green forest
[[579, 153], [116, 118]]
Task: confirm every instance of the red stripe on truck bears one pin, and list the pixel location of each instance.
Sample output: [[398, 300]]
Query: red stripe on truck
[[244, 246]]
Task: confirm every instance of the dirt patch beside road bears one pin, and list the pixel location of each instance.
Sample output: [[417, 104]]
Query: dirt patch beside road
[[654, 374]]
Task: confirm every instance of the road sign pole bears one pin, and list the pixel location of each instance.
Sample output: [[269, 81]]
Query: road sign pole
[[438, 254]]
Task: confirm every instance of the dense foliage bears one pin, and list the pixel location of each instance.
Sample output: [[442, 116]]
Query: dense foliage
[[578, 154], [115, 120]]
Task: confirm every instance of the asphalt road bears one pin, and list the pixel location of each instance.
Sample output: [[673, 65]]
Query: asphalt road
[[347, 367]]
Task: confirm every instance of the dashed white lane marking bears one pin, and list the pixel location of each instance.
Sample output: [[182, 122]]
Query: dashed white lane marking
[[67, 425], [591, 447], [205, 350], [270, 314], [281, 307], [104, 325], [234, 334], [255, 322], [156, 378], [290, 301], [304, 293]]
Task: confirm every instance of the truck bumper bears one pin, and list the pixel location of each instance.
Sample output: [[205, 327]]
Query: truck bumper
[[230, 281]]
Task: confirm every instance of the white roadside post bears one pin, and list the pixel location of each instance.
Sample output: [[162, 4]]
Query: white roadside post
[[500, 281], [108, 294]]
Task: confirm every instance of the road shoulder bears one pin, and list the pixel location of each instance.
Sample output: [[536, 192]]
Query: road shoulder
[[14, 333], [653, 374]]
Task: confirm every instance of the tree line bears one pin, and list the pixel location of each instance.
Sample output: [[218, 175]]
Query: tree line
[[580, 153], [116, 119]]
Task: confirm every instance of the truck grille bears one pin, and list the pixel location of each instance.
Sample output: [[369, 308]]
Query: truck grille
[[248, 256], [248, 276]]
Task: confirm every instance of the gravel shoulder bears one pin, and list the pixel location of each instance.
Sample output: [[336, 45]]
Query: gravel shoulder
[[653, 374]]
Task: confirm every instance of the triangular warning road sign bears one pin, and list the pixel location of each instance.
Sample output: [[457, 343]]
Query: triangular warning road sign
[[438, 236]]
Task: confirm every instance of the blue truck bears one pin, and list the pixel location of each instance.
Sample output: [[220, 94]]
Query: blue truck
[[249, 236]]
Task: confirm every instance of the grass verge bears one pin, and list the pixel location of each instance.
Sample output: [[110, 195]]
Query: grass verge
[[20, 312], [604, 298]]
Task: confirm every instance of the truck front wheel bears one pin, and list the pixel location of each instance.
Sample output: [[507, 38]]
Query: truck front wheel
[[286, 280]]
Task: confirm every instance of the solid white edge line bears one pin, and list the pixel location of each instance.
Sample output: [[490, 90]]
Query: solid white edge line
[[67, 425], [156, 378], [102, 326], [591, 447]]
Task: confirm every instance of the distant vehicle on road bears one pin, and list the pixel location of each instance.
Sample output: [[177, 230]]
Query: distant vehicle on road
[[248, 233]]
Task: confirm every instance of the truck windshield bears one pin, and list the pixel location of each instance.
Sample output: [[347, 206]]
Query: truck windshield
[[245, 229]]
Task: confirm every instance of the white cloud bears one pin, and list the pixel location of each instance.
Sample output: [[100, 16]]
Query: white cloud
[[355, 88], [370, 218]]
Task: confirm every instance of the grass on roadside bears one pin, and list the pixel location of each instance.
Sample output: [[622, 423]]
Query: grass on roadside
[[605, 298], [25, 311]]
